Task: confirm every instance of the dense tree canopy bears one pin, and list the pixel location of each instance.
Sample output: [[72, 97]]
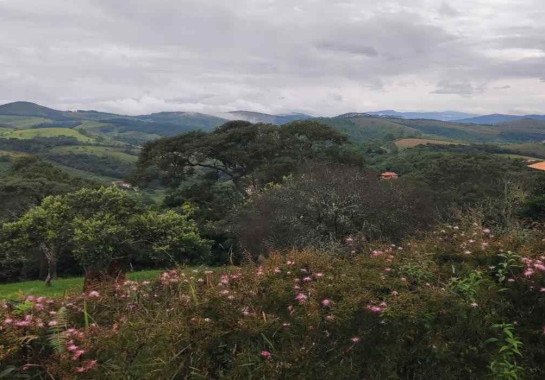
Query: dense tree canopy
[[102, 227], [249, 155]]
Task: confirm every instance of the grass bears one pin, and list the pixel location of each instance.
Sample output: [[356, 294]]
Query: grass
[[411, 143], [61, 286], [21, 122], [102, 151], [47, 132], [84, 174]]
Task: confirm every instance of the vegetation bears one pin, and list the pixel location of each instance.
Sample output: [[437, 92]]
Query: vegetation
[[62, 286], [322, 267], [304, 315], [104, 229]]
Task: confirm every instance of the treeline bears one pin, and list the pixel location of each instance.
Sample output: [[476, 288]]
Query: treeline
[[258, 188]]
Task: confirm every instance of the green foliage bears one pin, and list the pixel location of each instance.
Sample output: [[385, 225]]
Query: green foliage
[[100, 226], [249, 155], [509, 265], [467, 287], [324, 205], [505, 366]]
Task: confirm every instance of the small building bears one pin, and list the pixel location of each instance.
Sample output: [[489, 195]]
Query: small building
[[389, 175]]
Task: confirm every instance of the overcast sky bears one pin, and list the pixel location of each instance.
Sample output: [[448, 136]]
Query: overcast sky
[[322, 57]]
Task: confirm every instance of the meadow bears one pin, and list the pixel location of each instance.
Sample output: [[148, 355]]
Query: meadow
[[61, 287]]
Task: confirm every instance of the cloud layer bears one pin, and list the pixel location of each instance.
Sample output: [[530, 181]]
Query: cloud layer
[[322, 57]]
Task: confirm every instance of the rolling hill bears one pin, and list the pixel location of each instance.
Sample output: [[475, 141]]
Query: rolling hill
[[105, 145], [498, 118], [444, 116], [256, 117]]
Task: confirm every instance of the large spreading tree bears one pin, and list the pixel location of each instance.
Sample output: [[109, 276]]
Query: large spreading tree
[[245, 154]]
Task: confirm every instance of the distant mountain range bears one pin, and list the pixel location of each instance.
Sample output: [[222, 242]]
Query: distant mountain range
[[29, 109], [257, 117], [498, 119], [443, 116]]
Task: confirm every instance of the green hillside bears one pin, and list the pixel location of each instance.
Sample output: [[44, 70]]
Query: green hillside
[[22, 121], [47, 132]]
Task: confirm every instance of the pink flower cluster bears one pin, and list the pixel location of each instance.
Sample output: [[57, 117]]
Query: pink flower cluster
[[533, 266], [377, 308]]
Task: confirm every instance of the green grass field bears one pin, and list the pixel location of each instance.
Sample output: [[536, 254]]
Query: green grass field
[[84, 174], [412, 142], [102, 151], [21, 122], [61, 286], [47, 132]]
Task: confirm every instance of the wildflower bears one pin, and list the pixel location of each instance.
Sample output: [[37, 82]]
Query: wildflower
[[266, 355], [318, 275], [8, 321], [539, 267], [330, 318], [93, 294], [72, 348], [474, 304], [277, 270], [301, 298], [467, 252], [376, 309], [395, 293], [326, 302], [486, 230], [355, 339], [53, 323], [307, 279], [78, 354]]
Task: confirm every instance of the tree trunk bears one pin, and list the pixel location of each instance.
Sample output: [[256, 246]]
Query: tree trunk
[[49, 273]]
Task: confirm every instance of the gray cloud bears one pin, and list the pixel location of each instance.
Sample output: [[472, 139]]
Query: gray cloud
[[316, 56]]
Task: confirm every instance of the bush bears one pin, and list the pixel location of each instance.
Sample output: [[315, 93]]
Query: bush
[[304, 315], [327, 204]]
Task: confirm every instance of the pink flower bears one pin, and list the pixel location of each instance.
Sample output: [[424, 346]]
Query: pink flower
[[355, 339], [266, 355], [301, 298], [8, 321], [93, 294], [318, 275], [330, 318], [53, 323], [540, 267], [486, 230], [375, 309], [77, 354], [327, 302], [307, 279], [72, 348]]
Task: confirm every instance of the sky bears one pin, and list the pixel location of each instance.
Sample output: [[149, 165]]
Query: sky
[[321, 57]]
